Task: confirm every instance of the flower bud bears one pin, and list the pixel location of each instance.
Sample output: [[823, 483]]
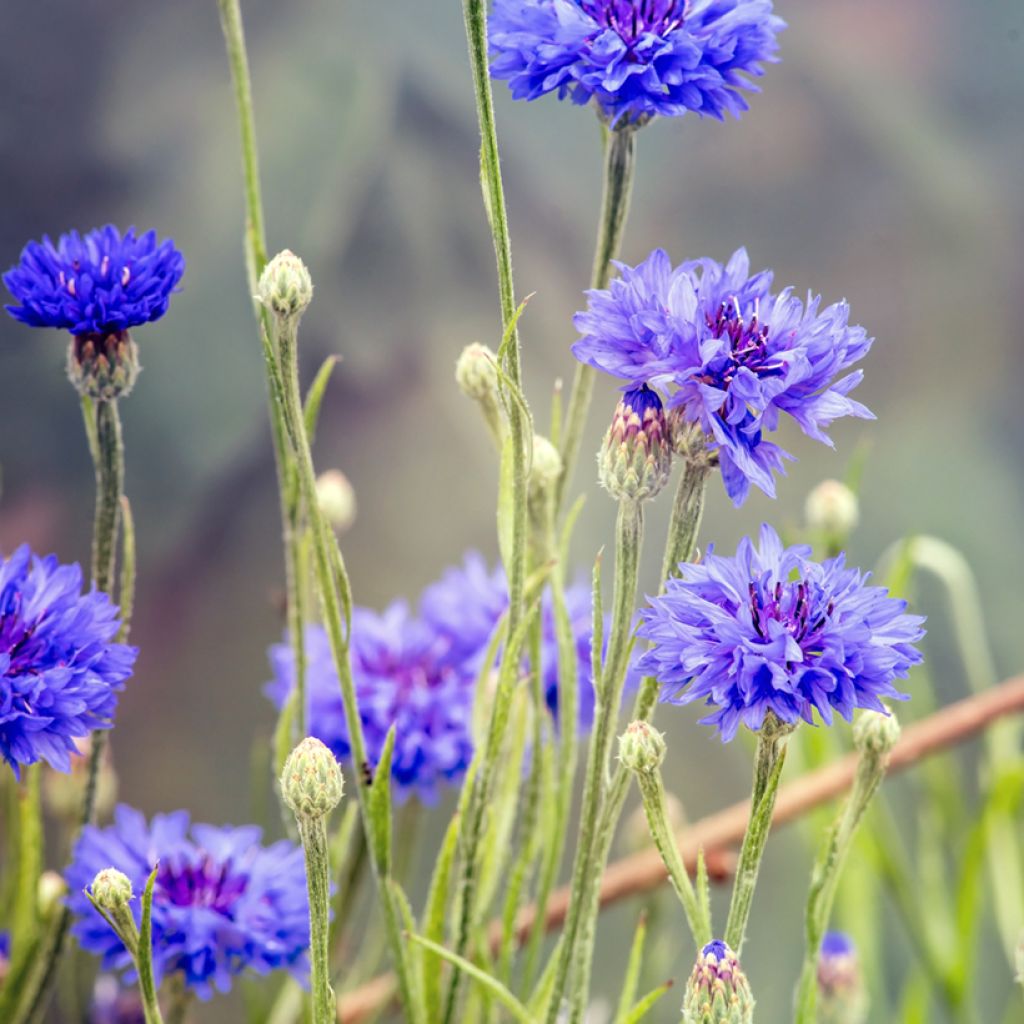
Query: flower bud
[[718, 992], [832, 509], [476, 372], [546, 468], [111, 890], [286, 288], [103, 366], [337, 499], [49, 893], [636, 457], [876, 733], [312, 784], [841, 995], [641, 748]]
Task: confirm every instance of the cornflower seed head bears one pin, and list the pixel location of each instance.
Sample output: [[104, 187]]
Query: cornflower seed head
[[337, 499], [476, 373], [111, 889], [841, 995], [312, 783], [636, 458], [876, 732], [286, 288], [641, 748], [718, 991], [832, 508]]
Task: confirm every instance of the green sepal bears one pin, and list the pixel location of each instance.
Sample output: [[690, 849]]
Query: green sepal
[[378, 805]]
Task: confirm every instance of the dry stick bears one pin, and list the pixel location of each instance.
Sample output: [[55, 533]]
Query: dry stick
[[644, 871]]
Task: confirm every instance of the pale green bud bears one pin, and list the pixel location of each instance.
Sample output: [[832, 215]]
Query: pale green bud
[[833, 509], [286, 288], [718, 991], [476, 372], [103, 366], [876, 733], [49, 893], [546, 468], [311, 783], [111, 890], [641, 748], [337, 499]]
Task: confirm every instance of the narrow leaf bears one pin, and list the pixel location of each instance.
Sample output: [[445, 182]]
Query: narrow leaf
[[378, 802], [629, 985], [315, 396]]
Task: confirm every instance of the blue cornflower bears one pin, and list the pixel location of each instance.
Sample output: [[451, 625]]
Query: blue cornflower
[[97, 284], [635, 58], [222, 903], [115, 1003], [733, 355], [841, 992], [5, 954], [60, 669], [405, 674], [772, 630], [469, 600]]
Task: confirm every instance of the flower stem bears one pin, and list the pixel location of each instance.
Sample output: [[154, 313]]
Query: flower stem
[[825, 877], [619, 168], [574, 956], [687, 513], [313, 834], [768, 762]]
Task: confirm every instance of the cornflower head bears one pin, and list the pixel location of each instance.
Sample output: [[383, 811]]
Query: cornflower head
[[60, 665], [97, 286], [222, 903], [730, 353], [841, 995], [635, 59], [771, 630], [718, 991]]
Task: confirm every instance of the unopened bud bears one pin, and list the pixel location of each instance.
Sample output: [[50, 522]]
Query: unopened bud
[[718, 991], [311, 783], [286, 288], [636, 457], [476, 372], [841, 995], [103, 366], [641, 748], [111, 890], [49, 893], [832, 509], [336, 498], [876, 733], [546, 468]]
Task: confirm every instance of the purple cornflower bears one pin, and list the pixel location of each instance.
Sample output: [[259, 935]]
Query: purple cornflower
[[60, 669], [772, 630], [635, 59], [97, 284], [407, 675], [222, 903], [732, 355]]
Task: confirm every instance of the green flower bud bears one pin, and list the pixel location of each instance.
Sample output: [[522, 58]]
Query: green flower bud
[[636, 458], [336, 498], [286, 288], [546, 468], [876, 733], [103, 366], [718, 992], [111, 890], [641, 748], [842, 998], [476, 373], [832, 509], [49, 893], [311, 783]]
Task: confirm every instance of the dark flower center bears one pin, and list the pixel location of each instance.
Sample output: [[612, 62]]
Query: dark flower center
[[789, 604], [748, 345], [208, 883], [17, 637], [633, 18]]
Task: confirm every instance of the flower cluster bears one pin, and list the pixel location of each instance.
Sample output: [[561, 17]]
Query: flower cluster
[[733, 354], [772, 630], [635, 59], [222, 903], [60, 667], [100, 283]]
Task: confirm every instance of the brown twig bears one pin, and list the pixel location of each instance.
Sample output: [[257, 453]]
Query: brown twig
[[717, 833]]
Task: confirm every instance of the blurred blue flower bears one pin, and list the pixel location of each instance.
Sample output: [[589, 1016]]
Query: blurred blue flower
[[734, 355], [635, 59], [115, 1003], [60, 669], [837, 944], [772, 630], [406, 674], [5, 954], [100, 283], [222, 903]]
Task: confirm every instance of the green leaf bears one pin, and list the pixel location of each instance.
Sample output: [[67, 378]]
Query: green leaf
[[144, 960], [546, 985], [408, 922], [434, 916], [378, 804], [126, 592], [643, 1007], [315, 396], [633, 966], [482, 978], [506, 501]]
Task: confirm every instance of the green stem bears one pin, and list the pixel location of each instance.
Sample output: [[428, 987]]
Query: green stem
[[29, 860], [825, 878], [687, 513], [619, 171], [768, 762], [574, 955], [313, 834], [652, 791]]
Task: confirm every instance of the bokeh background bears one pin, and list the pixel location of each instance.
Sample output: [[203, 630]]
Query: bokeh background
[[883, 163]]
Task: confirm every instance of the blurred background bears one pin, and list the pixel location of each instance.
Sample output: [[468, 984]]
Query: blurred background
[[883, 163]]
